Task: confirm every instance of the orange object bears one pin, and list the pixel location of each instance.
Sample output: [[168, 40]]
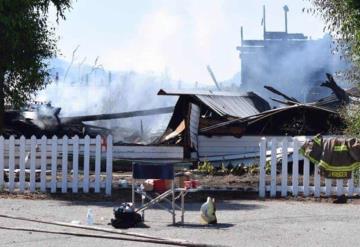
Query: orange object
[[161, 185]]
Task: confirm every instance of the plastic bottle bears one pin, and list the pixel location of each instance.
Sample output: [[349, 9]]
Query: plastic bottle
[[90, 217]]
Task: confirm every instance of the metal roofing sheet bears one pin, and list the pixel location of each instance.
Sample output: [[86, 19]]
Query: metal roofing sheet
[[235, 106]]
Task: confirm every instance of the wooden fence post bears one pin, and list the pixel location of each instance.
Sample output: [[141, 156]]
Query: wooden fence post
[[273, 167], [351, 185], [97, 163], [11, 163], [328, 185], [262, 167], [32, 163], [75, 174], [43, 163], [22, 164], [306, 175], [284, 168], [86, 164], [109, 165], [64, 164], [295, 168], [317, 181], [54, 144]]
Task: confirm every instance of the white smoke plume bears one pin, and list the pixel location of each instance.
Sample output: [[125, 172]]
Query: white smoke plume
[[93, 90], [297, 71]]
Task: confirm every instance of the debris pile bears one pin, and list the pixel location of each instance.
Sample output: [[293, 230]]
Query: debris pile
[[231, 114], [43, 119], [225, 113]]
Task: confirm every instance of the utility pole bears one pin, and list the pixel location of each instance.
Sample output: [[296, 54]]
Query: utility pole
[[241, 34], [264, 21], [286, 9]]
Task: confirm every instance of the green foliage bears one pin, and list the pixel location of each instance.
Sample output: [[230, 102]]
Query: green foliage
[[252, 170], [342, 18], [239, 170], [206, 167], [352, 119], [224, 169], [26, 43], [356, 178], [268, 168]]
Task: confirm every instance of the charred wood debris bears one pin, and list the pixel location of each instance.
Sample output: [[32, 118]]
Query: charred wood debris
[[221, 113], [254, 115], [43, 119]]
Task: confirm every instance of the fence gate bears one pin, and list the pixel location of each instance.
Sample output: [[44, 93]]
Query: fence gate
[[69, 164], [303, 178]]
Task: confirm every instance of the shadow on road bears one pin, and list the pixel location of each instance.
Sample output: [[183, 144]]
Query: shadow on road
[[189, 206], [225, 205]]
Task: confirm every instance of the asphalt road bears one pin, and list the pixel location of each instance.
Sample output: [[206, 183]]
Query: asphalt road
[[242, 223]]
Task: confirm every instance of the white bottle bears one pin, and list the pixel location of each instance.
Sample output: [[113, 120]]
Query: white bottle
[[90, 217]]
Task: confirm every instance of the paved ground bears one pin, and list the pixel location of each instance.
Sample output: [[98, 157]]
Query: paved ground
[[242, 223]]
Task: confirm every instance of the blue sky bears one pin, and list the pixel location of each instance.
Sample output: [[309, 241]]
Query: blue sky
[[179, 37]]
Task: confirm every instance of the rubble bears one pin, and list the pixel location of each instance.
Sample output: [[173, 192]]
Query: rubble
[[220, 114], [44, 119], [204, 124]]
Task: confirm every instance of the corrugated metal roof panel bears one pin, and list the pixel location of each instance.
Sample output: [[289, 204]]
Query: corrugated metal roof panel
[[225, 103], [235, 106]]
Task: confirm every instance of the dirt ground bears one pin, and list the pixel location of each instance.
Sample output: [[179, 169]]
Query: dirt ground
[[206, 181], [223, 187]]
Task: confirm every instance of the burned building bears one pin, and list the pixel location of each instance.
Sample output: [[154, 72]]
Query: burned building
[[218, 125], [291, 61]]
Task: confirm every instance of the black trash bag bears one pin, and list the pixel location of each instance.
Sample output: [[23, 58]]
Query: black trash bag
[[125, 217]]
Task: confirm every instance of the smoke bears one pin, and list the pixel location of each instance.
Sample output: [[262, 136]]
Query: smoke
[[93, 90], [80, 89], [294, 67]]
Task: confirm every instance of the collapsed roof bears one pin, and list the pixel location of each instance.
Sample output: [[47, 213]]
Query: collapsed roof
[[237, 114], [299, 119]]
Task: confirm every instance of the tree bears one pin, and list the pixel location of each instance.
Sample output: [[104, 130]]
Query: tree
[[342, 18], [26, 43]]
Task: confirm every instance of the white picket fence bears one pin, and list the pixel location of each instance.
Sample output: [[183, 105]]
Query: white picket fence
[[51, 164], [274, 150]]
